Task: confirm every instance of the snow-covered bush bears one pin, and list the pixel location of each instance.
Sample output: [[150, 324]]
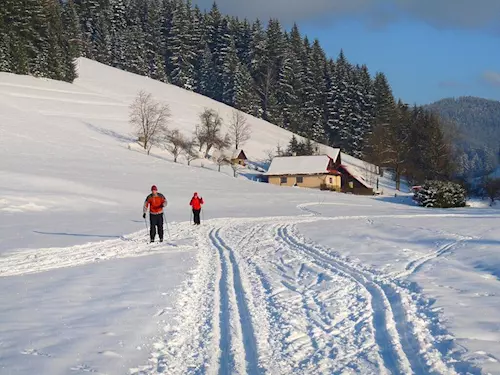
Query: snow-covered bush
[[441, 194]]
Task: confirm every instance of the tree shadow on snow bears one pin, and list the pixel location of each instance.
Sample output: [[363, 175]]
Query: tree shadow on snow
[[110, 133], [400, 199], [76, 234]]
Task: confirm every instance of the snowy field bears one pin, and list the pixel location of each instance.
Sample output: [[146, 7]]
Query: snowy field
[[275, 281]]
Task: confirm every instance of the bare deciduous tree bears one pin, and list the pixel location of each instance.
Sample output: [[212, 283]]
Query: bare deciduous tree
[[189, 150], [239, 130], [236, 167], [270, 155], [199, 136], [209, 130], [221, 145], [175, 143], [149, 119]]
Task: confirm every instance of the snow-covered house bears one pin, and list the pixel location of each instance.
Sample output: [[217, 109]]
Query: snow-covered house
[[316, 171], [239, 157], [353, 181]]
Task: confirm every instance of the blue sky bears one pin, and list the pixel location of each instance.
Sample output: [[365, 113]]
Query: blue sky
[[429, 49], [422, 63]]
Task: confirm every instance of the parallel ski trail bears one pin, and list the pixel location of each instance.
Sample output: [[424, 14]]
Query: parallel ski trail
[[394, 360], [410, 351], [234, 312], [226, 360]]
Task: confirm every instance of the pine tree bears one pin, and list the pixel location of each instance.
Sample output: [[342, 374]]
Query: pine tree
[[118, 26], [73, 33], [275, 47], [293, 146], [135, 40], [315, 92], [230, 69], [353, 132], [19, 38], [258, 59], [366, 98], [206, 76], [213, 21], [56, 43], [179, 53], [293, 75], [197, 44], [384, 117], [244, 43], [246, 99], [90, 13], [286, 96], [338, 104], [5, 52], [223, 48], [269, 51], [36, 35], [155, 43]]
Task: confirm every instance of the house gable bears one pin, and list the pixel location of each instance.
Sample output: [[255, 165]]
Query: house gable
[[239, 154]]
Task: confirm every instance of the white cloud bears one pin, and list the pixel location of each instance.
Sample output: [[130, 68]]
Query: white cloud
[[491, 78], [439, 13]]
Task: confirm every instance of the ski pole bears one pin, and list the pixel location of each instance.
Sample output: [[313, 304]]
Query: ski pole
[[191, 217], [166, 223]]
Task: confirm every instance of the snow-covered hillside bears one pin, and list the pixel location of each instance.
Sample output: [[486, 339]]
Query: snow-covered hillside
[[275, 281]]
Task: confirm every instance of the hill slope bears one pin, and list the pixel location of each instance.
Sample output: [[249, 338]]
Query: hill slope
[[275, 280], [478, 121], [70, 143]]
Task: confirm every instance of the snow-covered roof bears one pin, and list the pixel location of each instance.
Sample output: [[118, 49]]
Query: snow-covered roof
[[237, 153], [294, 165], [357, 174]]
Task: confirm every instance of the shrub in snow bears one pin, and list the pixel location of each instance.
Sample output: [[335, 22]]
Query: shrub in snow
[[441, 194], [492, 189]]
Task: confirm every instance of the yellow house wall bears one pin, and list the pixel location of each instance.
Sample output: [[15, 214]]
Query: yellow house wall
[[314, 181]]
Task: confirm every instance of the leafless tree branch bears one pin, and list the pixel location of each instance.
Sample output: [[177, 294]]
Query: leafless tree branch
[[149, 119]]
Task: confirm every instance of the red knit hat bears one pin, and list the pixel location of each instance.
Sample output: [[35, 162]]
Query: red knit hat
[[154, 188]]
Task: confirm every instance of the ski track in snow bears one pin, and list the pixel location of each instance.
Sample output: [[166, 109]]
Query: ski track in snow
[[242, 339], [135, 245], [282, 304], [262, 299]]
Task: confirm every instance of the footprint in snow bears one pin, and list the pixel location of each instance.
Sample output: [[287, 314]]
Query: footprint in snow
[[35, 352], [83, 368], [162, 311]]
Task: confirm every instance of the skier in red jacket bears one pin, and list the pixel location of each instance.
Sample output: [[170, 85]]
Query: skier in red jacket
[[196, 203], [155, 202]]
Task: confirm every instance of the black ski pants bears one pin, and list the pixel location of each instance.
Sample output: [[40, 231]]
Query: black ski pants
[[156, 220], [196, 216]]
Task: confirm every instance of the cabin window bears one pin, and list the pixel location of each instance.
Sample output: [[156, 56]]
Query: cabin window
[[331, 180], [300, 179], [283, 180]]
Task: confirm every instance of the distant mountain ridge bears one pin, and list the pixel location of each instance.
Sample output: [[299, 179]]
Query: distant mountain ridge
[[478, 123]]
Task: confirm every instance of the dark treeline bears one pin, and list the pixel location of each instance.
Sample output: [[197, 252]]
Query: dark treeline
[[476, 124], [264, 70], [36, 39]]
